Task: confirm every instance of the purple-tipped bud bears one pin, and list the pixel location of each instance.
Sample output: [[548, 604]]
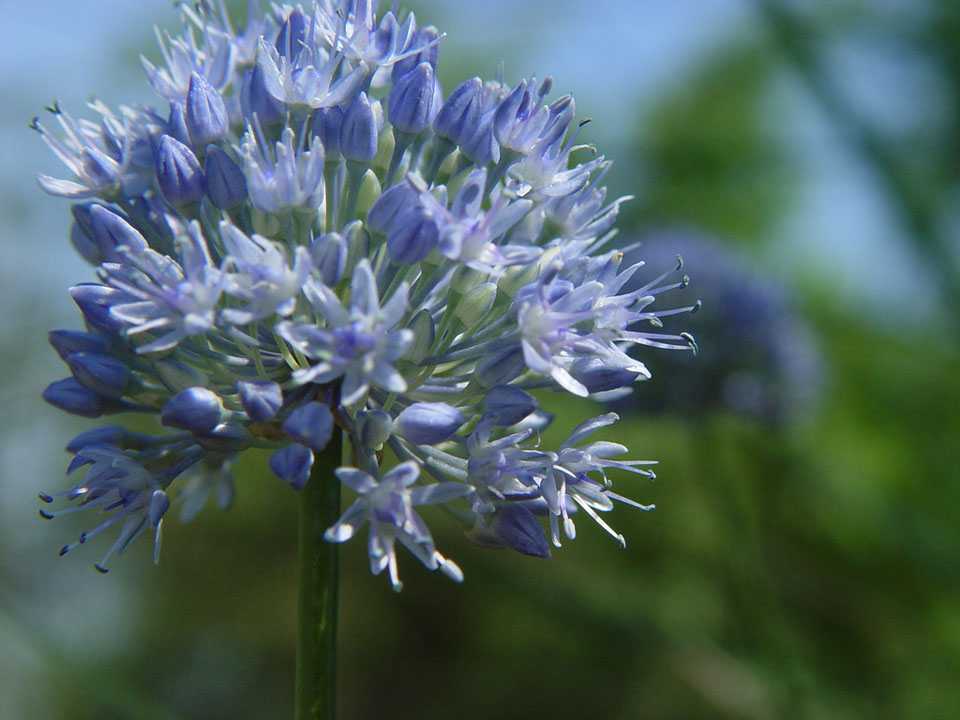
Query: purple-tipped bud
[[195, 409], [519, 529], [598, 377], [101, 373], [388, 206], [261, 399], [178, 172], [177, 121], [482, 147], [206, 113], [95, 302], [411, 100], [223, 179], [292, 35], [71, 396], [329, 254], [224, 438], [505, 405], [516, 106], [413, 236], [499, 368], [310, 424], [115, 435], [82, 236], [358, 133], [159, 504], [256, 100], [459, 116], [112, 233], [292, 464], [428, 423], [326, 126], [423, 36], [375, 427], [68, 342]]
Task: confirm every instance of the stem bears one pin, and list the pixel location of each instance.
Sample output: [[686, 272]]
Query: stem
[[316, 684]]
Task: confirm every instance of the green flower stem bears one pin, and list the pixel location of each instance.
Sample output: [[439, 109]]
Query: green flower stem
[[316, 684]]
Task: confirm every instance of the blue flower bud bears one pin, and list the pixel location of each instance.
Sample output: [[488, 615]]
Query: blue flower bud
[[428, 423], [101, 373], [177, 121], [256, 100], [292, 35], [68, 342], [519, 529], [159, 504], [329, 254], [206, 113], [326, 126], [413, 236], [375, 427], [115, 435], [71, 396], [224, 438], [95, 302], [411, 100], [112, 232], [593, 374], [223, 179], [261, 399], [388, 206], [82, 236], [310, 424], [292, 464], [427, 35], [516, 106], [506, 405], [195, 409], [482, 147], [358, 133], [178, 172], [459, 116], [499, 368]]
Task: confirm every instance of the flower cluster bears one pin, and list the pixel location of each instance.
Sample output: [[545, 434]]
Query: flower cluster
[[307, 236], [757, 354]]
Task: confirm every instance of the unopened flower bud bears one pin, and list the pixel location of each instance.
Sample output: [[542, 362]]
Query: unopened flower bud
[[428, 423], [310, 424], [101, 373], [178, 172], [411, 100], [459, 116], [261, 399], [292, 464], [195, 409], [413, 236], [223, 179], [206, 113], [71, 396], [358, 133], [506, 405], [375, 427]]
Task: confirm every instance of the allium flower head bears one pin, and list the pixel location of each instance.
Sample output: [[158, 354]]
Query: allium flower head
[[306, 240]]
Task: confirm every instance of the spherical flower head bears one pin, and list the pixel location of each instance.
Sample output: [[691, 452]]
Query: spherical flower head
[[306, 244]]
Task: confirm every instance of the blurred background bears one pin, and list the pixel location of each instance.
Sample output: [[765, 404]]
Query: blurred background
[[804, 158]]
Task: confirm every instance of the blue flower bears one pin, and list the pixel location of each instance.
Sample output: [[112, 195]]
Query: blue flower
[[387, 504], [362, 342]]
